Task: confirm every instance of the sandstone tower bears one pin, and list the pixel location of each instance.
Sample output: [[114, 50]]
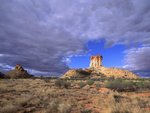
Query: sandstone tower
[[96, 61]]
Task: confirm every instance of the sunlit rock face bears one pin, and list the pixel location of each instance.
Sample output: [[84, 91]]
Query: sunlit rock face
[[19, 68], [96, 61], [115, 72]]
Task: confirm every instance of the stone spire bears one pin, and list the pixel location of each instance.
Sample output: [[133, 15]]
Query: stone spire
[[96, 61]]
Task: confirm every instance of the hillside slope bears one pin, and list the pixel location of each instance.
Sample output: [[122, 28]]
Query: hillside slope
[[99, 73]]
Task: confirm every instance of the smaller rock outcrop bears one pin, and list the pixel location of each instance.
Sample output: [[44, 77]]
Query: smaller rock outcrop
[[18, 72]]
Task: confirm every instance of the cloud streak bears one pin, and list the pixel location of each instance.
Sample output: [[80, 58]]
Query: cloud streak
[[40, 34]]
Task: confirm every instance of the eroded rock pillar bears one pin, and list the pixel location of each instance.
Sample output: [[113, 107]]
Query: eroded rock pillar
[[96, 61]]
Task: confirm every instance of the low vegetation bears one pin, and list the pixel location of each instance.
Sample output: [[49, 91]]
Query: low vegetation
[[90, 82], [73, 96], [120, 103], [120, 85], [62, 84], [127, 85], [82, 84]]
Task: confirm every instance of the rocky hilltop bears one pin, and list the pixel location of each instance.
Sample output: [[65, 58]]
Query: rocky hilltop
[[96, 70], [18, 72], [82, 73]]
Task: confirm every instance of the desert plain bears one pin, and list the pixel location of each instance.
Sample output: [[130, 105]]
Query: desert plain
[[45, 95]]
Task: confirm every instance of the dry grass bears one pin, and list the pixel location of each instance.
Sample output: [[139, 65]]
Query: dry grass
[[59, 106], [42, 96], [121, 103], [10, 108]]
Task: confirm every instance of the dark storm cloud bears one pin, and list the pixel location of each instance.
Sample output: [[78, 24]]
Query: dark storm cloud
[[138, 60], [40, 33]]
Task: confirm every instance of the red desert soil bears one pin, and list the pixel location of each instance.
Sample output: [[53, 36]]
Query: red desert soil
[[144, 94]]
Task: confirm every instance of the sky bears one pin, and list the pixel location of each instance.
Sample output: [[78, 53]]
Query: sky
[[112, 56], [50, 36]]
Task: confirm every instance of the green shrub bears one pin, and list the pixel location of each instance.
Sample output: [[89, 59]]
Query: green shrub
[[9, 108], [98, 85], [81, 84], [110, 78], [59, 106], [117, 111], [143, 85], [66, 84], [46, 80], [140, 84], [58, 83], [147, 85], [61, 83], [90, 82], [121, 85], [86, 111]]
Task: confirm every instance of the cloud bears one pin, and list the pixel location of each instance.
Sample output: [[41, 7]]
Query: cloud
[[138, 60], [40, 34]]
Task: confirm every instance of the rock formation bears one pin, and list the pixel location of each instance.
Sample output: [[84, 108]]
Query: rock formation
[[109, 72], [19, 68], [18, 72], [96, 70], [96, 61]]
